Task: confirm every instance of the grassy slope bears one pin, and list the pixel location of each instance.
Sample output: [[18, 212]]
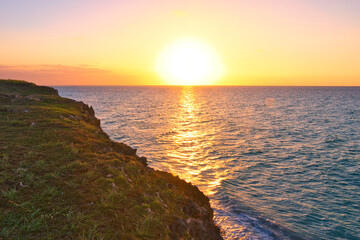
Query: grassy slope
[[61, 177]]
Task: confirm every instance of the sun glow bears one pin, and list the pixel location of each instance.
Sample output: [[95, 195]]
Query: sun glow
[[189, 62]]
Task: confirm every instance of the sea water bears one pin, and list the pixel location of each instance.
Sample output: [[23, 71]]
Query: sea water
[[276, 162]]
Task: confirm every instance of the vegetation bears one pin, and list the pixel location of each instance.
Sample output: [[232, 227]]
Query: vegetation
[[61, 177]]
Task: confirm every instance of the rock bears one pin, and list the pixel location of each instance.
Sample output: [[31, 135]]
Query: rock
[[123, 149], [204, 213], [177, 228], [21, 169], [143, 160], [198, 229], [202, 230], [191, 209], [33, 98], [22, 185]]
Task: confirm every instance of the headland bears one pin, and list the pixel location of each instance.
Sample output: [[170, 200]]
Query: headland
[[62, 177]]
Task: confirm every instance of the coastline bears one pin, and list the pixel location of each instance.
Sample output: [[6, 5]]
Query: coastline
[[63, 177]]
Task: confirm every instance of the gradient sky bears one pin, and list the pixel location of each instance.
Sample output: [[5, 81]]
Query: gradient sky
[[108, 42]]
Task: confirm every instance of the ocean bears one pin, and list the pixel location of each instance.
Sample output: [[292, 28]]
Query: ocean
[[276, 162]]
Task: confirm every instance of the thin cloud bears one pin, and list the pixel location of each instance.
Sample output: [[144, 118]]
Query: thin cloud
[[67, 75]]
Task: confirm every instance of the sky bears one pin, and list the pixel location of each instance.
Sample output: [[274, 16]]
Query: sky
[[110, 42]]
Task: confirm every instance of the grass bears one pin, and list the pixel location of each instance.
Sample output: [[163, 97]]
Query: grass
[[61, 176]]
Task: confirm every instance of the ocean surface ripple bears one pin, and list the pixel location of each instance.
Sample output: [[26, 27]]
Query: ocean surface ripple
[[276, 162]]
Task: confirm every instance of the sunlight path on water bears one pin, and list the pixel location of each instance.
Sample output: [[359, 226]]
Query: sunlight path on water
[[191, 144]]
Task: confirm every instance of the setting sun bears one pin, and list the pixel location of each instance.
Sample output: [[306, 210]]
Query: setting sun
[[189, 62]]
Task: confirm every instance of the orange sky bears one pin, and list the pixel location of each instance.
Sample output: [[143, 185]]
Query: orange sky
[[273, 42]]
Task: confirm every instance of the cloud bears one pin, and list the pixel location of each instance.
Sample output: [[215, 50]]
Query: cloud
[[82, 74]]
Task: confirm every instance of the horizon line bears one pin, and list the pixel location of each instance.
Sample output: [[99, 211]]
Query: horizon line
[[119, 85]]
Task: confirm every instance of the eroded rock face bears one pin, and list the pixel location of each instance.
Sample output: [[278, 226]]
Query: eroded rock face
[[191, 209], [177, 228], [198, 220], [202, 229], [90, 114]]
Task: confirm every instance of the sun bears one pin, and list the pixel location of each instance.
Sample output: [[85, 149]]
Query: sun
[[189, 61]]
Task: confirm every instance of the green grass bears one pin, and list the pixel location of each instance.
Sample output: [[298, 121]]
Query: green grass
[[61, 176]]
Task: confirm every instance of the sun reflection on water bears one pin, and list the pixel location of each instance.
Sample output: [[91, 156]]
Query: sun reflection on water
[[191, 142]]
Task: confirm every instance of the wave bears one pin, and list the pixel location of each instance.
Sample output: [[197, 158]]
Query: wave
[[238, 221]]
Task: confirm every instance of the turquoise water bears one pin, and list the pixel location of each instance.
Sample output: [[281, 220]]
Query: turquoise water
[[276, 162]]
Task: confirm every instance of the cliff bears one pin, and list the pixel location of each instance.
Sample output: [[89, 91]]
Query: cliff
[[62, 177]]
